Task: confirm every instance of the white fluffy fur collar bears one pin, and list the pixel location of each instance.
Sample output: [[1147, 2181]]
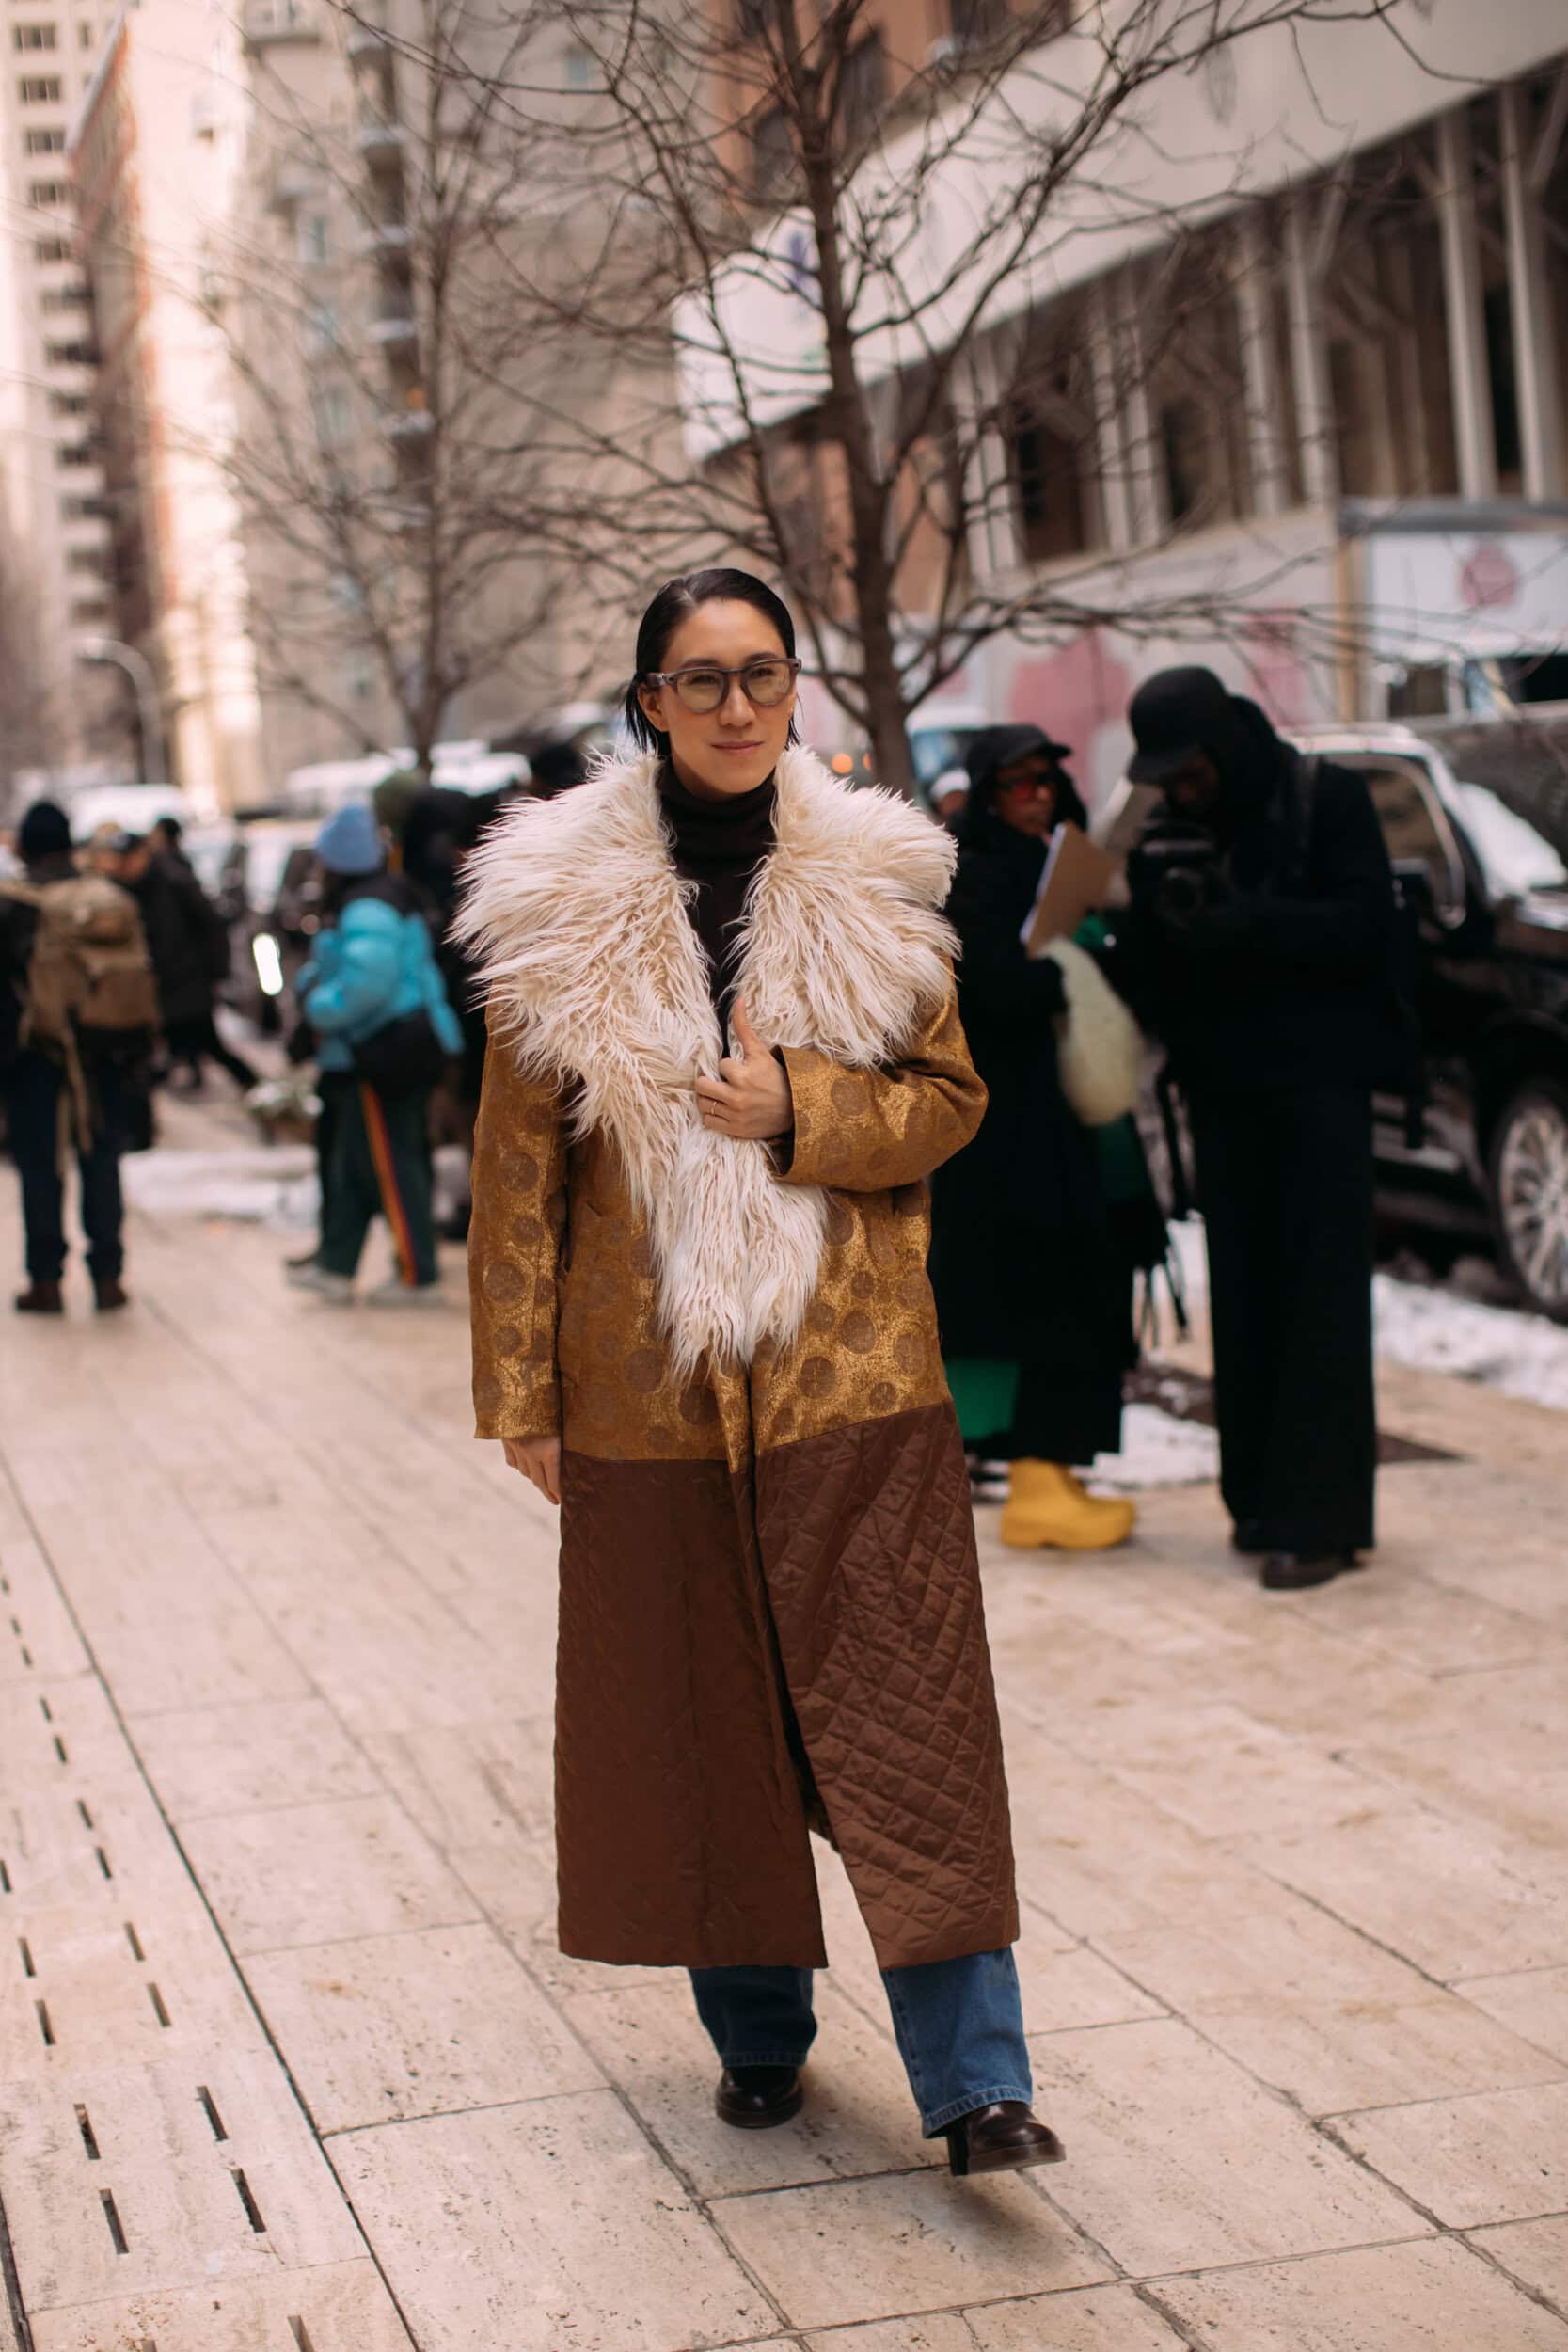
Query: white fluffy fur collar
[[596, 976]]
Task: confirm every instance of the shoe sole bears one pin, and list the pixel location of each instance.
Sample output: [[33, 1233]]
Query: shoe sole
[[1024, 2161], [1345, 1567], [1057, 1543], [784, 2113]]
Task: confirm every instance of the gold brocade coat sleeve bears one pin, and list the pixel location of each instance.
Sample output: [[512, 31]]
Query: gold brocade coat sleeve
[[873, 1130], [515, 1250]]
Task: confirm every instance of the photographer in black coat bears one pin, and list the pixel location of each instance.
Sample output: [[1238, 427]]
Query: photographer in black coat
[[1260, 946]]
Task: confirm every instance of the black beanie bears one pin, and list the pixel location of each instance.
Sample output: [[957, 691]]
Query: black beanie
[[44, 832]]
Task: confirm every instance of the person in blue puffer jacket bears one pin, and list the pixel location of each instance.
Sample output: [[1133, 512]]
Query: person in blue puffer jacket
[[373, 997]]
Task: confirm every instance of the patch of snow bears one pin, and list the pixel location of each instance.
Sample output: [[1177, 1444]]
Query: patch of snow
[[275, 1187], [1157, 1449], [1517, 858], [1433, 1330]]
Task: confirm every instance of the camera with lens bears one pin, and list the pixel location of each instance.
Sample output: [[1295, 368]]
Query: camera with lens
[[1177, 871]]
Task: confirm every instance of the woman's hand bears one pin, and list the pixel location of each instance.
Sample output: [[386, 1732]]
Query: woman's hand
[[752, 1098], [539, 1459]]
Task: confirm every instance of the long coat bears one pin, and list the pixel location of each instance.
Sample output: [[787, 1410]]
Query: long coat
[[771, 1612], [1025, 1264]]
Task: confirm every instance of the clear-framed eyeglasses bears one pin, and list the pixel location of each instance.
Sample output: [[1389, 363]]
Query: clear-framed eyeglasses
[[701, 688]]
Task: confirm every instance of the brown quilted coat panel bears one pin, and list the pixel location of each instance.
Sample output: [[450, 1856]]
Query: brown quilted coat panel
[[867, 1538], [784, 1549]]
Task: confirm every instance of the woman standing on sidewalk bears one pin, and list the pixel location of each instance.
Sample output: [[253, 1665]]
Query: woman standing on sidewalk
[[701, 1323]]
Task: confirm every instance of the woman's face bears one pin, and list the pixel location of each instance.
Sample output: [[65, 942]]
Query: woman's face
[[735, 746], [1025, 796]]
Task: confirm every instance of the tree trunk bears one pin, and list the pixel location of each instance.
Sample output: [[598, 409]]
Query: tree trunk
[[849, 423]]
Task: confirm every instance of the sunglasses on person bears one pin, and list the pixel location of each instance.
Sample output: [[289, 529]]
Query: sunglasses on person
[[1032, 783], [701, 689]]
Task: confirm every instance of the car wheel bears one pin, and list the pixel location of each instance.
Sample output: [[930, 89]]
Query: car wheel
[[1529, 1192]]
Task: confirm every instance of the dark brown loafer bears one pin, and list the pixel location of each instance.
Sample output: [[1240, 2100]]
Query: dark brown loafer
[[755, 2098], [1003, 2138], [39, 1298], [1290, 1572], [109, 1297]]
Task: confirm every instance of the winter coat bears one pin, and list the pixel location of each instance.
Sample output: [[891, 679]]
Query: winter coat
[[770, 1599], [1026, 1261], [1289, 978], [371, 965], [185, 939]]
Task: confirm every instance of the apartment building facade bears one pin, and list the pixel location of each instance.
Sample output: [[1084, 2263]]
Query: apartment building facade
[[154, 152], [1293, 370], [53, 518], [307, 390]]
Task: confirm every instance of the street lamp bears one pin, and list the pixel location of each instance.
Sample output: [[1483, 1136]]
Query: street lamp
[[139, 671]]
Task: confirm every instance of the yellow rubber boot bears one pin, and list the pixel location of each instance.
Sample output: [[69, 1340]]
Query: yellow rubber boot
[[1047, 1505]]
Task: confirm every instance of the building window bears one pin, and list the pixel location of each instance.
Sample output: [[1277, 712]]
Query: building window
[[1048, 469], [583, 68], [975, 21], [772, 152], [76, 355], [44, 143], [68, 404], [862, 91], [33, 36], [51, 249], [334, 417], [41, 90], [84, 35], [751, 19], [1190, 333], [70, 454], [49, 196], [83, 510], [64, 297], [88, 612], [87, 559], [319, 329], [314, 237]]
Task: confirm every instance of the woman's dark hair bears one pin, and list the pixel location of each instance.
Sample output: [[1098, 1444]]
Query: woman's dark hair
[[675, 601]]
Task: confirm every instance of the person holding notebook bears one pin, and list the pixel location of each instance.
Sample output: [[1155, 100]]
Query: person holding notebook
[[1039, 1224]]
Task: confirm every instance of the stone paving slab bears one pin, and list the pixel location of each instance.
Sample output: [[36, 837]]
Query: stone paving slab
[[275, 1653]]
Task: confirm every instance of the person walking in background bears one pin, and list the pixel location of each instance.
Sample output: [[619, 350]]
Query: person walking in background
[[189, 944], [78, 1014], [442, 830], [383, 1031], [724, 1058], [1260, 947], [1040, 1225]]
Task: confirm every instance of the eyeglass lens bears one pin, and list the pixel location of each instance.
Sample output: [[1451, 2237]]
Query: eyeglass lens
[[765, 683]]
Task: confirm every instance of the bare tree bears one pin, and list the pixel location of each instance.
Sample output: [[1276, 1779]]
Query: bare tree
[[858, 347], [377, 448]]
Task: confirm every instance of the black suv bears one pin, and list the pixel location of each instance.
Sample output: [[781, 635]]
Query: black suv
[[1491, 896]]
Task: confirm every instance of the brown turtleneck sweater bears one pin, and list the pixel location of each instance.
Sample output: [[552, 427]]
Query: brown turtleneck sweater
[[717, 845]]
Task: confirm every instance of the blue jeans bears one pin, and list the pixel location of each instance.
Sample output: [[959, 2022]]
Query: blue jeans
[[958, 2022]]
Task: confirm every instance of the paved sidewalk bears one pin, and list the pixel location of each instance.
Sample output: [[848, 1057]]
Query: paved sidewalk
[[290, 2063]]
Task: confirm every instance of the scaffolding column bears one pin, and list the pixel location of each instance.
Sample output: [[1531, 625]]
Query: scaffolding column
[[1260, 360], [1474, 427], [1539, 390], [995, 541], [1116, 488], [1319, 465]]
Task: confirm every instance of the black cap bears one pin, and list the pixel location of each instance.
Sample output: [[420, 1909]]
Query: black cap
[[1174, 714], [1001, 746], [44, 832]]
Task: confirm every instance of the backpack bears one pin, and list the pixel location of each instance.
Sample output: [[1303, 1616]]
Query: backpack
[[89, 974]]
